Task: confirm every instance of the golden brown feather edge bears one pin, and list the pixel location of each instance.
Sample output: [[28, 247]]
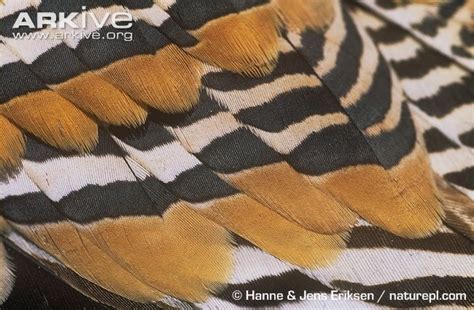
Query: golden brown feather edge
[[458, 207], [62, 118]]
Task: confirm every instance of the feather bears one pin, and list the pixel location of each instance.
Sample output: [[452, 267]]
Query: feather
[[247, 163], [440, 98], [76, 84], [446, 26], [458, 207], [222, 203], [270, 110], [281, 195], [12, 147], [231, 146], [28, 103], [349, 80], [7, 277], [172, 86], [243, 49], [120, 72], [109, 231], [51, 269]]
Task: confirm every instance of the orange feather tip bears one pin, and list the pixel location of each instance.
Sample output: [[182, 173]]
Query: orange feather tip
[[7, 277], [297, 15], [53, 119], [79, 251], [247, 42], [168, 81], [458, 207], [402, 200], [180, 79], [163, 251], [4, 226], [290, 194], [273, 233], [97, 97], [12, 147], [416, 185], [144, 258]]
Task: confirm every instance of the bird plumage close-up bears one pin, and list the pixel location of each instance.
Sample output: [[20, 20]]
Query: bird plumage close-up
[[181, 154]]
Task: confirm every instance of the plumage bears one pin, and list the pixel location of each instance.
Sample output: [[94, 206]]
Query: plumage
[[12, 147], [223, 203], [226, 147], [6, 275]]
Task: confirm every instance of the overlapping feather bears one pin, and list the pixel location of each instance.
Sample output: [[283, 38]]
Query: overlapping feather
[[263, 131]]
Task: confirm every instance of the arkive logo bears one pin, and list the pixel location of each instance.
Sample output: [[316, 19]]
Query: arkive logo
[[74, 20]]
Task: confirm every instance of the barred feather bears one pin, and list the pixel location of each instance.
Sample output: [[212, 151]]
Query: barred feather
[[266, 145]]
